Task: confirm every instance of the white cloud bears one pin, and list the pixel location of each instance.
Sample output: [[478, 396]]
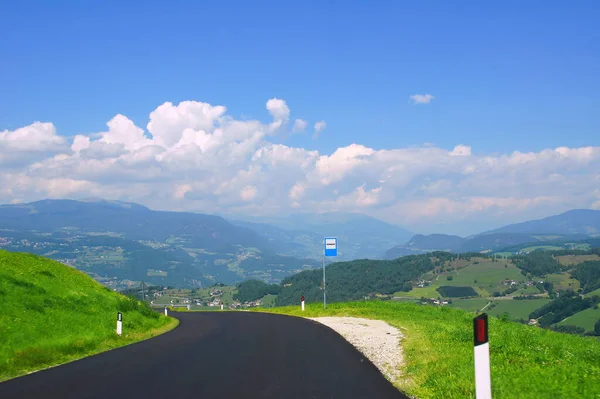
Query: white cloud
[[319, 127], [300, 125], [248, 193], [195, 157], [461, 150], [279, 111], [421, 98]]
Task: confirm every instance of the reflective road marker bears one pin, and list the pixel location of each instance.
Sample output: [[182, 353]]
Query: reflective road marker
[[119, 323], [483, 383]]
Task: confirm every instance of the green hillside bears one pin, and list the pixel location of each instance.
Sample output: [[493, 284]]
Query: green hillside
[[53, 314], [585, 319], [526, 362]]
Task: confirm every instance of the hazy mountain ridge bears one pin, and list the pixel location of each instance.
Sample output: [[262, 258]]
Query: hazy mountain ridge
[[574, 225], [131, 242], [359, 236]]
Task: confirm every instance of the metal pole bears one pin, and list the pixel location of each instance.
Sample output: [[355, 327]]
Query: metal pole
[[324, 286]]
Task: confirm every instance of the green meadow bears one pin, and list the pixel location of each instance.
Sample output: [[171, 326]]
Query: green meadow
[[53, 314]]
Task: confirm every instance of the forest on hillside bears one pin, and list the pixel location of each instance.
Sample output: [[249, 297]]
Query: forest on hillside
[[357, 279]]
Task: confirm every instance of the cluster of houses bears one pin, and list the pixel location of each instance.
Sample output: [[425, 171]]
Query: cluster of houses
[[512, 283], [245, 305], [433, 301]]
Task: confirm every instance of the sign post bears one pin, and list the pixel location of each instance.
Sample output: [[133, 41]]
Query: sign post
[[302, 300], [330, 249], [119, 323], [483, 384]]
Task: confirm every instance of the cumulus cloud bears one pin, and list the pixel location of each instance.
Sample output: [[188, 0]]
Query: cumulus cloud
[[319, 127], [421, 98], [461, 150], [193, 156], [300, 125]]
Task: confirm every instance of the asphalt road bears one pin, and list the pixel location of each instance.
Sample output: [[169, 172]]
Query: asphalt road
[[218, 355]]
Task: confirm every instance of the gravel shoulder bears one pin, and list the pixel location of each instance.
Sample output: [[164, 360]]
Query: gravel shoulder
[[376, 339]]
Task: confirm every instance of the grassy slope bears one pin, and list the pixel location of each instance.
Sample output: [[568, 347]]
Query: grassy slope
[[517, 309], [53, 314], [526, 362], [485, 272], [586, 319]]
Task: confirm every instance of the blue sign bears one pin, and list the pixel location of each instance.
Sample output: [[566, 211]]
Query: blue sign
[[331, 246]]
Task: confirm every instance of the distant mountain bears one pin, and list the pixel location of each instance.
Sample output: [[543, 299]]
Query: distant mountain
[[489, 242], [131, 242], [426, 243], [575, 225], [359, 236], [576, 221]]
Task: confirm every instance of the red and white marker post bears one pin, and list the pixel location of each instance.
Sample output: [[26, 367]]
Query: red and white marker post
[[302, 301], [483, 382], [119, 323]]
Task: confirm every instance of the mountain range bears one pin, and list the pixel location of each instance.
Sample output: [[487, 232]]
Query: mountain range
[[120, 242], [573, 225]]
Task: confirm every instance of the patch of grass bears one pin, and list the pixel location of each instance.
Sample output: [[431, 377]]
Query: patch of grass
[[585, 319], [526, 362], [592, 293], [543, 247], [268, 300], [570, 260], [516, 309], [470, 305], [53, 314], [563, 281]]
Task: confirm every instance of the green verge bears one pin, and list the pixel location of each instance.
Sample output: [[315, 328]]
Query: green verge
[[526, 362], [53, 314]]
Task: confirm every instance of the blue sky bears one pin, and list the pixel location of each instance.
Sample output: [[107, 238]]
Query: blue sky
[[506, 76]]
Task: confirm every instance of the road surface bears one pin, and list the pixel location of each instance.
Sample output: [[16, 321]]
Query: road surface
[[228, 355]]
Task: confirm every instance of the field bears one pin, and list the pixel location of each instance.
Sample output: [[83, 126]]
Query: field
[[268, 300], [470, 305], [562, 281], [516, 309], [52, 314], [586, 319], [485, 277], [592, 293], [544, 247], [569, 260], [526, 362]]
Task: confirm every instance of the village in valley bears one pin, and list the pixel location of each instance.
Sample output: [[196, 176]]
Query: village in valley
[[199, 299]]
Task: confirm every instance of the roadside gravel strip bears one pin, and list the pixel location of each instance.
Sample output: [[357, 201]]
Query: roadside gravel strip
[[376, 339]]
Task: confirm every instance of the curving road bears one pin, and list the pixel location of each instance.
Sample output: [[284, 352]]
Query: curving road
[[229, 355]]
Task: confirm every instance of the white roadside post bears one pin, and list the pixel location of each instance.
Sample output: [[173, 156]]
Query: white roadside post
[[221, 306], [166, 314], [188, 307], [483, 382], [331, 245], [119, 323], [302, 300]]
